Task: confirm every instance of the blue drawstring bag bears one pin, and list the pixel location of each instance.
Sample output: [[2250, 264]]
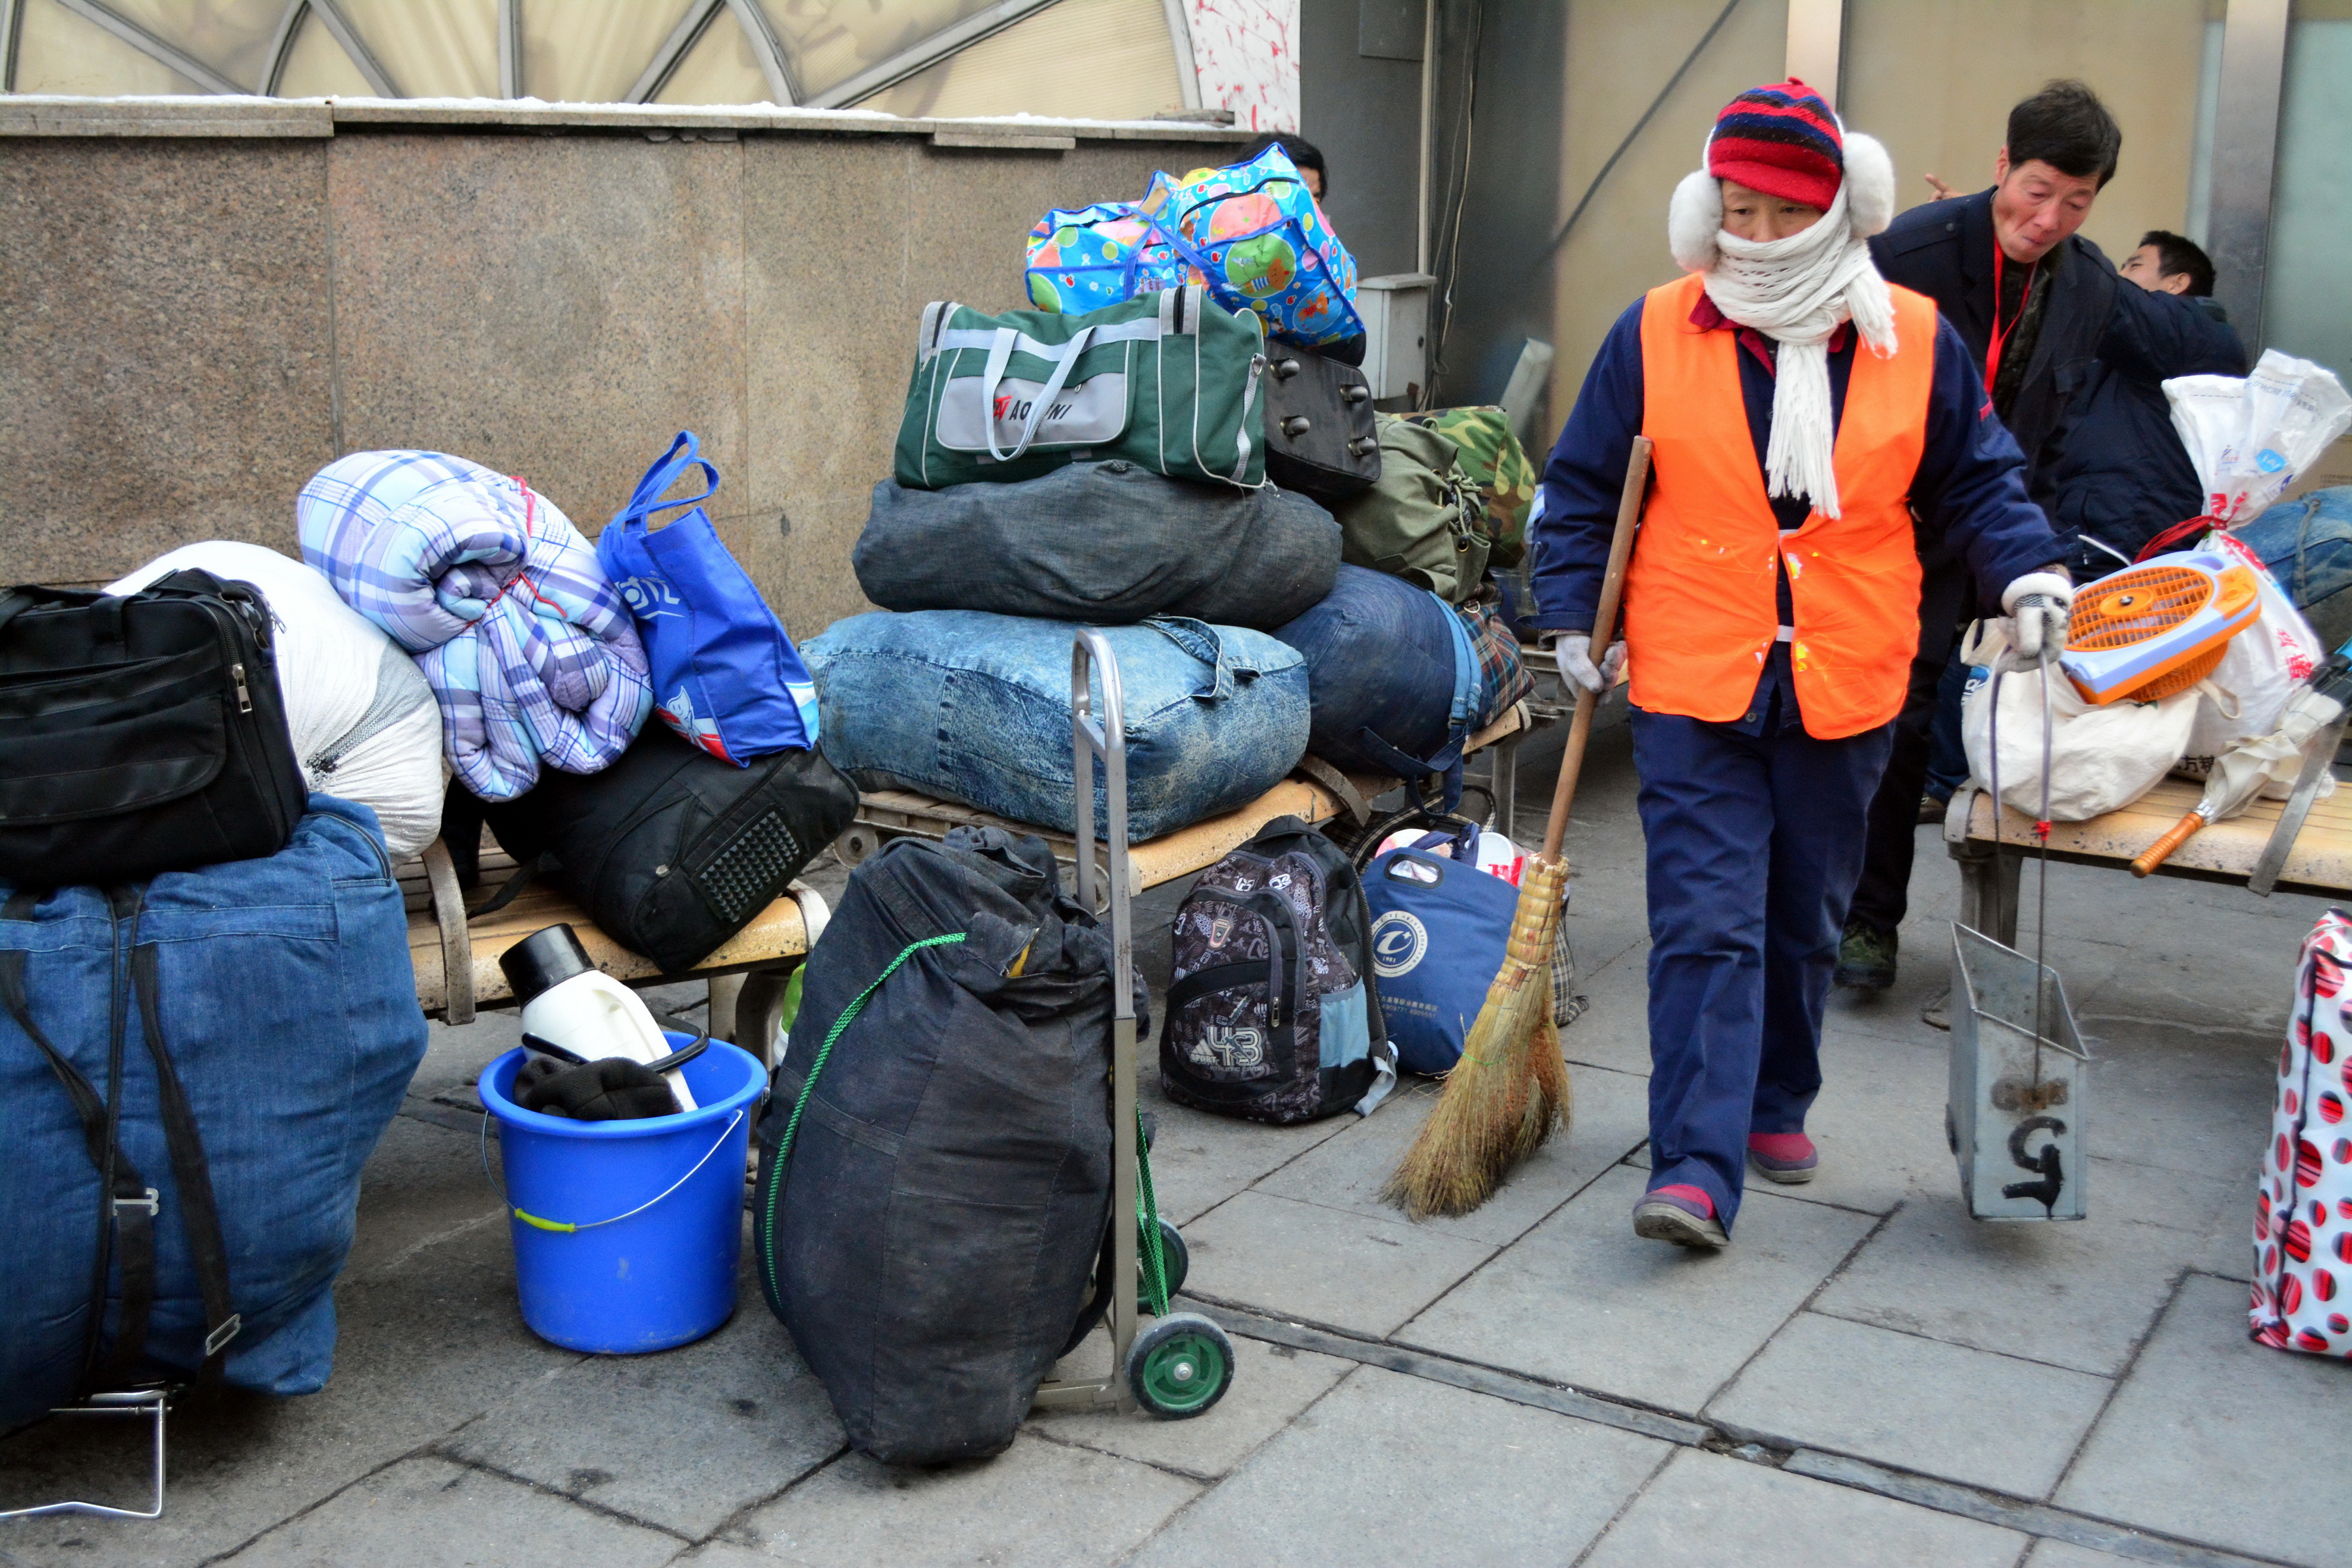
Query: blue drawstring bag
[[726, 675]]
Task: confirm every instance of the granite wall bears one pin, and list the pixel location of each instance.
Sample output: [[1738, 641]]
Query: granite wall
[[196, 315]]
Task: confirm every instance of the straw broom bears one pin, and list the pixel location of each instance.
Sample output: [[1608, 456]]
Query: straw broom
[[1510, 1089]]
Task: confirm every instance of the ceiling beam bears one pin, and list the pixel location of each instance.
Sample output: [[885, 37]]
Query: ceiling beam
[[674, 50], [148, 44], [890, 73]]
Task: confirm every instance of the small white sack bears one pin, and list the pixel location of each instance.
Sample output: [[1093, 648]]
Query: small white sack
[[2100, 758], [365, 724]]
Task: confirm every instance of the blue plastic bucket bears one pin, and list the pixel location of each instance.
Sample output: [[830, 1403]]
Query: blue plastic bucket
[[664, 1275]]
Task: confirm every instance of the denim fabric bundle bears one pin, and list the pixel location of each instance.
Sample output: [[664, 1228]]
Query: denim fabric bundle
[[1393, 677], [287, 1006], [927, 1230], [976, 708], [2307, 544], [529, 647], [1108, 543]]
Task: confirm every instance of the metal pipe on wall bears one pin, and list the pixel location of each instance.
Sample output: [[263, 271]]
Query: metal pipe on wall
[[2245, 156], [1428, 129], [1816, 34]]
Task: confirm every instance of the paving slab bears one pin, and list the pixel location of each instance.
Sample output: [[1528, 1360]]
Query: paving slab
[[1392, 1470], [428, 1512], [1038, 1504], [682, 1439], [1326, 1266], [1706, 1510], [1916, 1403], [1614, 1030], [2192, 1097], [1271, 1385], [2048, 1553], [1611, 1120], [1200, 1160], [1582, 1300], [2222, 1441], [2078, 1294], [430, 1338]]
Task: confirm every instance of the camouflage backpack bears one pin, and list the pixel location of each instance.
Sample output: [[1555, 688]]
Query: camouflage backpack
[[1423, 520], [1498, 465], [1271, 1012]]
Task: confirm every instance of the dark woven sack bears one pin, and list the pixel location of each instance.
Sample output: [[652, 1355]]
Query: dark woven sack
[[944, 1116]]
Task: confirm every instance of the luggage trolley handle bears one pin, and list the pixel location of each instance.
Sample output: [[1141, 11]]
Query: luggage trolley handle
[[1098, 728]]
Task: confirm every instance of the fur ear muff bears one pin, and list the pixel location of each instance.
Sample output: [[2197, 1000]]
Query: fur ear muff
[[1869, 184], [1694, 218]]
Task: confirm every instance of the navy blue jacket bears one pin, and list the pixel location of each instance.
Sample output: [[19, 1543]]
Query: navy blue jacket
[[2101, 456], [1969, 490]]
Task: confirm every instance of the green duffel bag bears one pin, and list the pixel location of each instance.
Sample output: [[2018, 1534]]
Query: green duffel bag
[[1168, 381], [1423, 520]]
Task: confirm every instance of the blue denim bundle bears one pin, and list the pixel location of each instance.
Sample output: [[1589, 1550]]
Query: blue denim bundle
[[285, 1004], [1395, 678], [976, 708]]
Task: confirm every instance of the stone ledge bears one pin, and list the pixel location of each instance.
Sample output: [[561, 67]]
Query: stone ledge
[[208, 116]]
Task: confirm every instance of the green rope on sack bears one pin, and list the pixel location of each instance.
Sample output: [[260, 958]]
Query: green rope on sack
[[1147, 1219], [808, 1086]]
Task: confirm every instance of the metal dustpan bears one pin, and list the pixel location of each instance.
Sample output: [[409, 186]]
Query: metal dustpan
[[2019, 1081]]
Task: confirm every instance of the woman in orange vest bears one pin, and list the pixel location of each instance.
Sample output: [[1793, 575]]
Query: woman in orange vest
[[1811, 426]]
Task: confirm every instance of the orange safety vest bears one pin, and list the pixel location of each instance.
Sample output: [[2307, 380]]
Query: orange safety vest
[[1701, 611]]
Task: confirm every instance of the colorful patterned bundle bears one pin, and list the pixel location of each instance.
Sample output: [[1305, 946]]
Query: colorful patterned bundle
[[2303, 1201], [1252, 232]]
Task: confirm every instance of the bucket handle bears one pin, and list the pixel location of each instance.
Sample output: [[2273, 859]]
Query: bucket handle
[[557, 1224]]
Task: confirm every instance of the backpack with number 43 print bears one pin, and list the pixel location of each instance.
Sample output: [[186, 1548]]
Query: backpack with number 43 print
[[1271, 1011]]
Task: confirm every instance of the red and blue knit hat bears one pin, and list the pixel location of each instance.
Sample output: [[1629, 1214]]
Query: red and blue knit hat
[[1781, 139]]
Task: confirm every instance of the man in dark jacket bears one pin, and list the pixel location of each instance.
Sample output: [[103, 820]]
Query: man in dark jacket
[[2073, 357]]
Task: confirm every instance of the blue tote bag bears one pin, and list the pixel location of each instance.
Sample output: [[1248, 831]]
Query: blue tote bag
[[726, 675]]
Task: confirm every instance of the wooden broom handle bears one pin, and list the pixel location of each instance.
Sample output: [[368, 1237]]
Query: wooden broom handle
[[2158, 853], [1604, 630]]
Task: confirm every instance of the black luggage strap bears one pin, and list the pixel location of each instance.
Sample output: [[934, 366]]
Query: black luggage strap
[[670, 1063], [127, 1206], [130, 1208], [1278, 970]]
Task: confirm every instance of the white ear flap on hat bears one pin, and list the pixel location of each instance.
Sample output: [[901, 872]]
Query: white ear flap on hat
[[1694, 218], [1869, 184]]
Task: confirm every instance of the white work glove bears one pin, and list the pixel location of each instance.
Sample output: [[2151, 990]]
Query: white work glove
[[2039, 602], [1574, 653]]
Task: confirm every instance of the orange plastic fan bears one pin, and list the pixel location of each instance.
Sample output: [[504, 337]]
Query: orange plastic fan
[[2159, 628]]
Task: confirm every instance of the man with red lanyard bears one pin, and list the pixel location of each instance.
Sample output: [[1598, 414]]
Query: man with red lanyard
[[1802, 411], [2050, 325]]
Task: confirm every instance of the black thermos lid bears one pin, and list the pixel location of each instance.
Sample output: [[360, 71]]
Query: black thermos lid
[[542, 960]]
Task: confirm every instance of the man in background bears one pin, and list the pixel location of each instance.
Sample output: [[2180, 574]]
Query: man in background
[[2073, 360]]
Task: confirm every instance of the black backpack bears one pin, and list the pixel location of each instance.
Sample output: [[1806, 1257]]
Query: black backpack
[[670, 850], [1271, 1011], [141, 734]]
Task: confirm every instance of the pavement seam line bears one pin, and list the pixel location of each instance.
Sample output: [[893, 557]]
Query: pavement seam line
[[744, 1512], [1878, 1225], [1961, 1499], [607, 1511], [2131, 1363], [1956, 1344], [423, 1450], [1624, 1508]]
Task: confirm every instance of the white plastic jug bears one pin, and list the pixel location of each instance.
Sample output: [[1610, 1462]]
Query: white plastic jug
[[569, 1001]]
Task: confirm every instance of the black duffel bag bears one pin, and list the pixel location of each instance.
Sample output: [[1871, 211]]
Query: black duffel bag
[[670, 850], [141, 734], [1320, 438], [1108, 543]]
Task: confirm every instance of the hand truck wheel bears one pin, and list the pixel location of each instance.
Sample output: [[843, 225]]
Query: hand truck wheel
[[1175, 1259], [1180, 1366]]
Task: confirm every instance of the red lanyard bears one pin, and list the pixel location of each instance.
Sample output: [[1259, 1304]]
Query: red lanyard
[[1992, 352]]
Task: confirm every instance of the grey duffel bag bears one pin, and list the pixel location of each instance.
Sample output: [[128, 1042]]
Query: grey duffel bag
[[1109, 543]]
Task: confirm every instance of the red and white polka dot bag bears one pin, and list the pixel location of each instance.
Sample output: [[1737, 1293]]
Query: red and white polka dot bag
[[2303, 1204]]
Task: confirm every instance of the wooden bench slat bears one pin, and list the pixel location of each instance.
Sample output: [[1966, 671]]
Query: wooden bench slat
[[2321, 859]]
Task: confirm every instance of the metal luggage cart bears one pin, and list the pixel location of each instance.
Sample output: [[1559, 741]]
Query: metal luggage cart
[[1183, 1363]]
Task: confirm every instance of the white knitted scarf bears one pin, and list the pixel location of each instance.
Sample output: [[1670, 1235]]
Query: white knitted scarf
[[1795, 291]]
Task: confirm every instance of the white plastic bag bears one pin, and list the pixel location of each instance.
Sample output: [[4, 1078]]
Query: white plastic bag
[[2100, 758], [2262, 667], [364, 722], [2249, 436]]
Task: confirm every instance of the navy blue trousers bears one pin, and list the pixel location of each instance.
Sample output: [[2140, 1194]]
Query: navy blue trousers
[[1755, 842]]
